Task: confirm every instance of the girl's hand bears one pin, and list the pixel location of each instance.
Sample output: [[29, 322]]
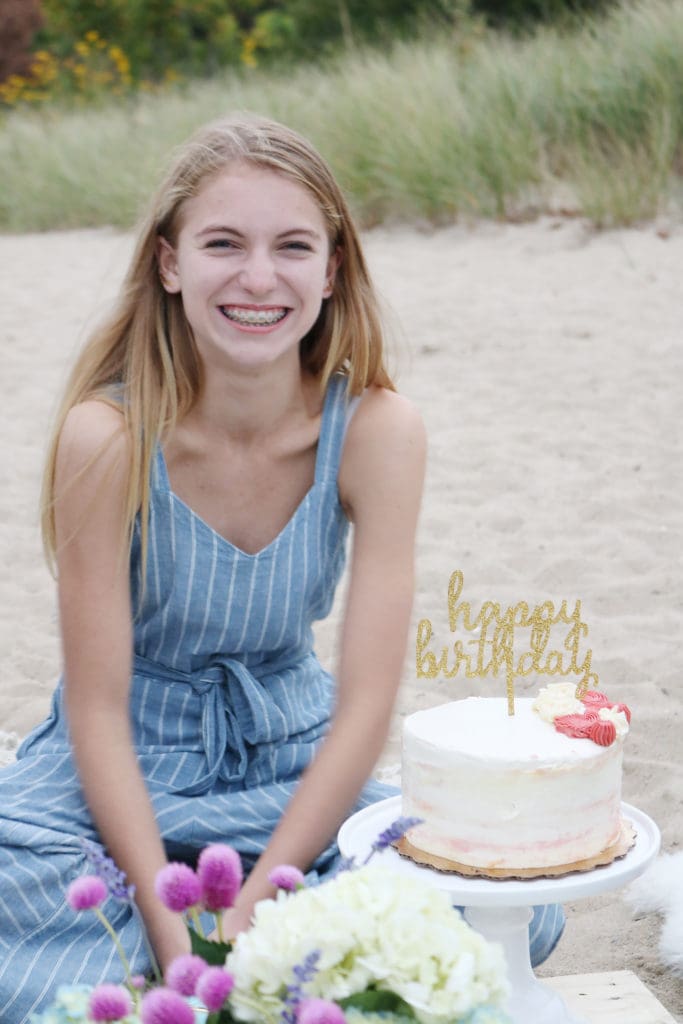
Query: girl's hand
[[233, 922]]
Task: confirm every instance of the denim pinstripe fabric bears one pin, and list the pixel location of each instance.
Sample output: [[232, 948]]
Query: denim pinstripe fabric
[[229, 704], [545, 931]]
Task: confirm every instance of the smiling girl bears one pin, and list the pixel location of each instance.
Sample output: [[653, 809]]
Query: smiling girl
[[219, 434]]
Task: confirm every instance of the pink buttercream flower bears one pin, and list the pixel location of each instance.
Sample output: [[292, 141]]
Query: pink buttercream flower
[[214, 987], [164, 1006], [108, 1003], [183, 973], [595, 699], [319, 1011], [219, 870], [625, 709], [287, 877], [177, 887], [86, 893]]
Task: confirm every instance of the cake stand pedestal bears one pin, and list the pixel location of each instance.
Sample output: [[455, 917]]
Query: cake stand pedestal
[[500, 909]]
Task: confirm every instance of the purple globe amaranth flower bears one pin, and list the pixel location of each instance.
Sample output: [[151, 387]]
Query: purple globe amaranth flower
[[319, 1011], [108, 1003], [183, 973], [287, 877], [214, 987], [164, 1006], [219, 870], [178, 887], [86, 893]]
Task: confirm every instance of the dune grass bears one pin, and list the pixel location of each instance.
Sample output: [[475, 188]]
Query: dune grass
[[466, 124]]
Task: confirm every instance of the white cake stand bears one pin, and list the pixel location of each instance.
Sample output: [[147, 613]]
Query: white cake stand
[[501, 909]]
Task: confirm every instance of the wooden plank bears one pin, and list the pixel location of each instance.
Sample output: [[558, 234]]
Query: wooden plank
[[611, 997]]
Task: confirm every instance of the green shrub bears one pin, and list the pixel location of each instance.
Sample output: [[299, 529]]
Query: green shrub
[[190, 36], [198, 37], [92, 71], [523, 13]]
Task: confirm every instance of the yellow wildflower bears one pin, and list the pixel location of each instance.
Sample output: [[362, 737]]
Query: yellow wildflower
[[248, 57]]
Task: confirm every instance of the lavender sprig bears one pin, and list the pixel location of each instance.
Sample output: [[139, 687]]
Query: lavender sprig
[[303, 973], [105, 868], [395, 831], [345, 864]]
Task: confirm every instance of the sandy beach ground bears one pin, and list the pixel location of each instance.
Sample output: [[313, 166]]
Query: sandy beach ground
[[547, 361]]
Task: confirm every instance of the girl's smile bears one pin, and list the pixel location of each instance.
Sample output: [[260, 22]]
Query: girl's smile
[[255, 318]]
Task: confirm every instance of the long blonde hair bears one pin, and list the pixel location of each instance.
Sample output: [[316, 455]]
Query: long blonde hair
[[145, 350]]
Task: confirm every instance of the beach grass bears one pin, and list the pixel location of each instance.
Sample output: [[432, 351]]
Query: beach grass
[[457, 123]]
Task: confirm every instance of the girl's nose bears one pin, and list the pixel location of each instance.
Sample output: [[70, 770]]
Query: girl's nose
[[258, 273]]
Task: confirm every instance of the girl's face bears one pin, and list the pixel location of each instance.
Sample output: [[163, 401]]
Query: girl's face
[[252, 263]]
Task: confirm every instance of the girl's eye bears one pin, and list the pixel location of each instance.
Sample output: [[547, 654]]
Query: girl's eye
[[220, 243], [298, 246]]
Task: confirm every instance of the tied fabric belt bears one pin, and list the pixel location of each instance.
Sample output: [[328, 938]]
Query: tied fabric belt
[[222, 732]]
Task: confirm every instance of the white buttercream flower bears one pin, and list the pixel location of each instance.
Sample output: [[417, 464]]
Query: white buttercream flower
[[618, 718], [557, 699]]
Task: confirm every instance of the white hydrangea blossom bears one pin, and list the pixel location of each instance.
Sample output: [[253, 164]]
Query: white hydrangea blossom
[[370, 929]]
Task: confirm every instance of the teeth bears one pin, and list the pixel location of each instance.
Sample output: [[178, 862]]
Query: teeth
[[256, 317]]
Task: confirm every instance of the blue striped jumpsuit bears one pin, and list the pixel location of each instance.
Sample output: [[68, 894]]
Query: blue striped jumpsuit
[[228, 705]]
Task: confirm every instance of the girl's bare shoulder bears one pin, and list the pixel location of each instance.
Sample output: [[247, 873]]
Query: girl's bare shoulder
[[384, 420], [93, 431], [385, 448]]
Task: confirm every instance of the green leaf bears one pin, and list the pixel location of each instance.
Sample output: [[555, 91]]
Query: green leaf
[[377, 1001], [221, 1017], [213, 952]]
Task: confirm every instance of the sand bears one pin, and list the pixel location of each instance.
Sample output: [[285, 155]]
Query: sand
[[547, 361]]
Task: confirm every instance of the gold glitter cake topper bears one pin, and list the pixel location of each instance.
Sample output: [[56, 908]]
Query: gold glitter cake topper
[[495, 644]]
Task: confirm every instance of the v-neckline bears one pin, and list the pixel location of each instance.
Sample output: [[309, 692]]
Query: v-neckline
[[165, 482]]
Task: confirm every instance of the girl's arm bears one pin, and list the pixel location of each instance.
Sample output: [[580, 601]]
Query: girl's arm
[[94, 603], [380, 485]]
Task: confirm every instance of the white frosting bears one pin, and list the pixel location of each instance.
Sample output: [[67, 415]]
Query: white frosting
[[617, 717], [557, 699], [507, 791]]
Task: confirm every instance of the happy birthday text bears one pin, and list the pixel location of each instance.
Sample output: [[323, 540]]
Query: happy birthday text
[[498, 627]]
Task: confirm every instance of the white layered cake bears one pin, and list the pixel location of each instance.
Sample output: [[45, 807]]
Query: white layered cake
[[500, 791]]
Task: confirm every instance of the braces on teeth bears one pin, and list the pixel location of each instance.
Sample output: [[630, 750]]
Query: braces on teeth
[[256, 316]]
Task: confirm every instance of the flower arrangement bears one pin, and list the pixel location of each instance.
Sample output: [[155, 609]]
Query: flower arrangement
[[363, 948]]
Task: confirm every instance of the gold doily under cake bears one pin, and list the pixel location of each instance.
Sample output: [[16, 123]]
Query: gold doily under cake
[[619, 848]]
